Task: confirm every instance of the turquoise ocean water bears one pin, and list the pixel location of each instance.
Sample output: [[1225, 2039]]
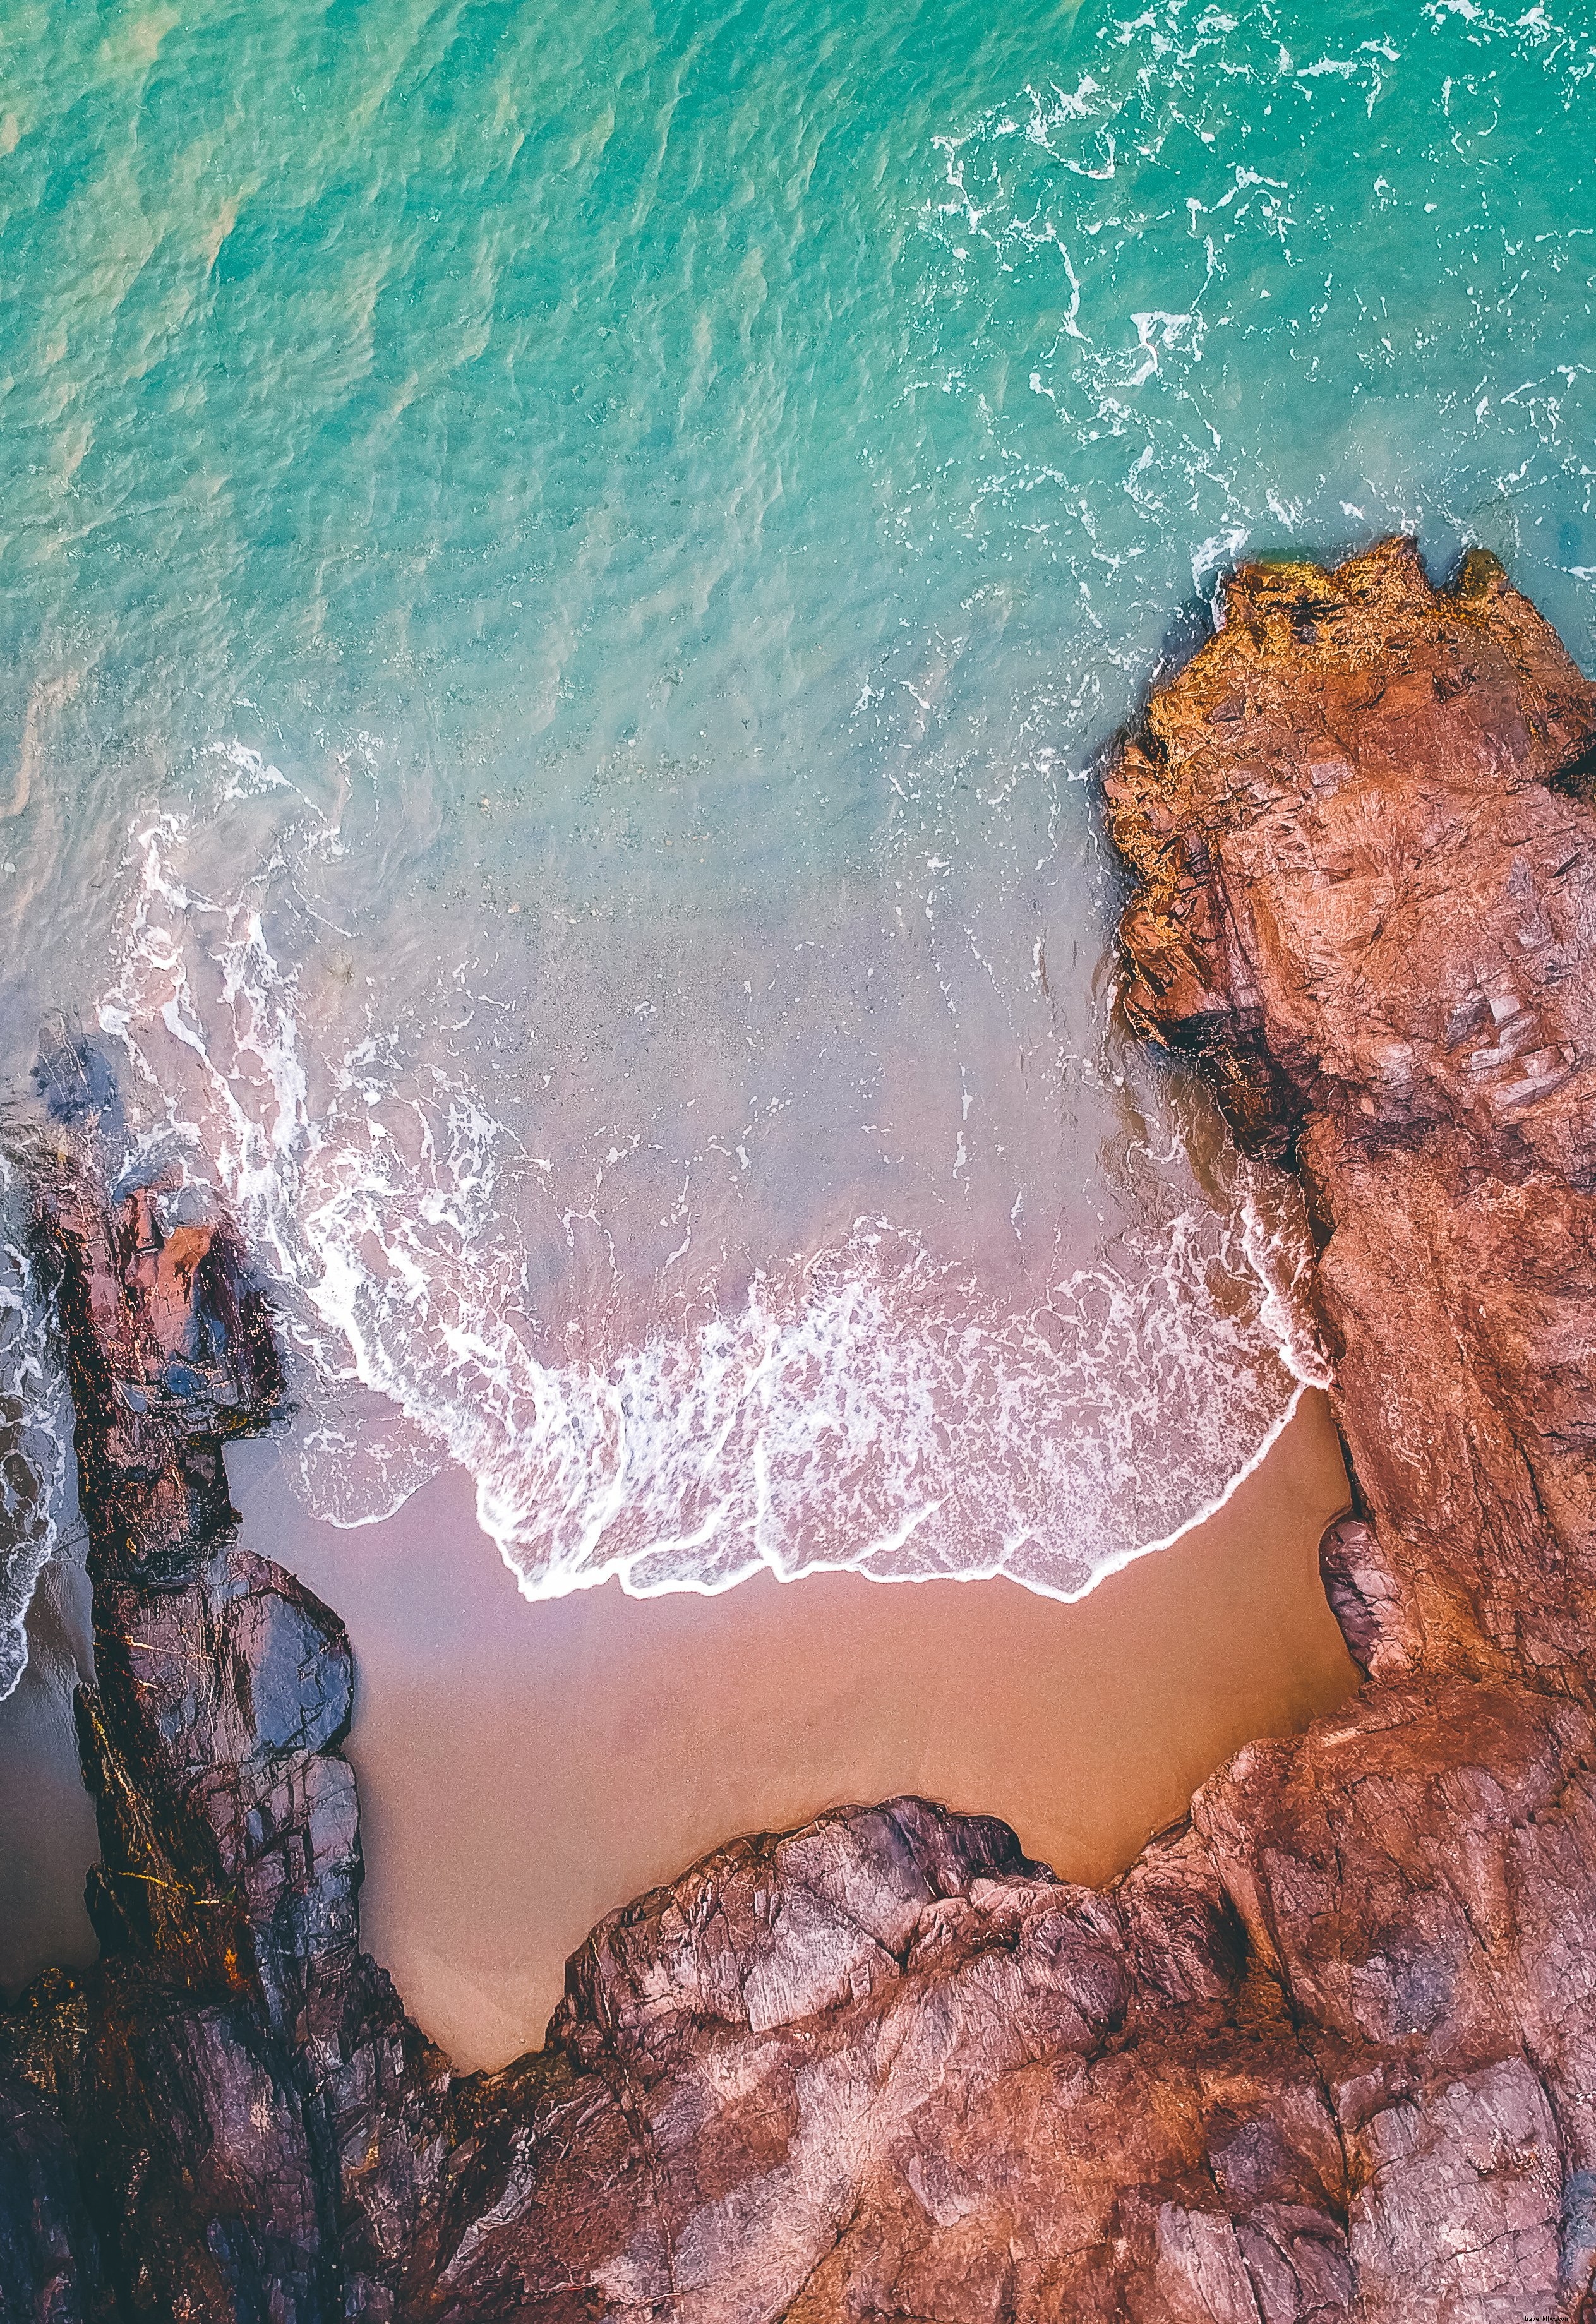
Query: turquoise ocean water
[[565, 575]]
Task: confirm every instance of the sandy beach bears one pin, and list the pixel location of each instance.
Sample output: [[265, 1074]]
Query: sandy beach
[[526, 1769]]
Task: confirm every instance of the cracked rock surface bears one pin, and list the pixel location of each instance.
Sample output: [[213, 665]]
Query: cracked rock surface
[[1326, 2051]]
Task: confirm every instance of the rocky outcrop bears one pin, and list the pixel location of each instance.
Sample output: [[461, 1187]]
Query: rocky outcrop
[[1362, 819], [1326, 2051]]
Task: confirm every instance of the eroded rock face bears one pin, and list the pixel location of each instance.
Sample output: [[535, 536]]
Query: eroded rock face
[[1329, 2051], [193, 2087], [1361, 817]]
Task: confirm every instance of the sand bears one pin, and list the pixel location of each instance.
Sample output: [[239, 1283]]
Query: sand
[[526, 1769], [47, 1835]]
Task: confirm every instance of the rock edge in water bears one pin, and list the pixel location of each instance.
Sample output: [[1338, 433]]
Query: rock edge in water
[[1327, 2051]]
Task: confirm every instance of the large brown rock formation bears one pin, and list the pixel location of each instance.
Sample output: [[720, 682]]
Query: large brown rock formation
[[1329, 2051], [1361, 818]]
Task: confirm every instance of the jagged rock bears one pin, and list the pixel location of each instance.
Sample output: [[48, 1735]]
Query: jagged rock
[[1361, 818], [201, 2074], [1366, 863], [49, 2270], [1327, 2051]]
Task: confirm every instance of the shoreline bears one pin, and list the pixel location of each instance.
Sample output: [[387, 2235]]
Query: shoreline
[[527, 1767], [510, 1658], [1117, 1564]]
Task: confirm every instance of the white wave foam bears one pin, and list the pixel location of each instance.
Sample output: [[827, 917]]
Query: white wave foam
[[866, 1405]]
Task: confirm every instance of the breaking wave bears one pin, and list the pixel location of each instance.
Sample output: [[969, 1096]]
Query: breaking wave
[[868, 1403]]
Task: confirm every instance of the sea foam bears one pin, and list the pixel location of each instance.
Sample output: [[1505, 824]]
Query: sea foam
[[863, 1402]]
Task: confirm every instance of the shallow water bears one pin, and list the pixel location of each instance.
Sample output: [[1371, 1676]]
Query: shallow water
[[566, 576]]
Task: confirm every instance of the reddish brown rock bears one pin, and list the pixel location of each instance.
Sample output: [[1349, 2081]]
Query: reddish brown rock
[[1361, 819], [1328, 2050]]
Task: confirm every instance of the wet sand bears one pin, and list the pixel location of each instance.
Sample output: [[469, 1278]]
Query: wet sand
[[47, 1834], [526, 1769]]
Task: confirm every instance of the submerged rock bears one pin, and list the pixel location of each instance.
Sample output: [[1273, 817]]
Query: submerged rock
[[1329, 2049]]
